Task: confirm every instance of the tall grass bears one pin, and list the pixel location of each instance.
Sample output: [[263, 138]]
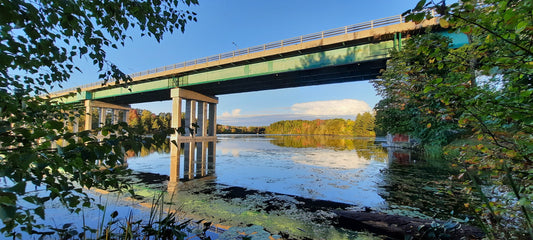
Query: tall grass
[[163, 223]]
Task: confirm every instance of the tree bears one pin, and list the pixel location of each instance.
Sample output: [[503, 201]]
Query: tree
[[157, 122], [146, 121], [321, 127], [134, 120], [483, 89], [165, 118], [39, 42], [409, 89], [364, 125]]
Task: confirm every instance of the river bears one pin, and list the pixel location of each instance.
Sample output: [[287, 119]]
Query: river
[[290, 184]]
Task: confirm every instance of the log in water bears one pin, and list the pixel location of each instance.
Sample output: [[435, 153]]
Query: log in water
[[402, 227]]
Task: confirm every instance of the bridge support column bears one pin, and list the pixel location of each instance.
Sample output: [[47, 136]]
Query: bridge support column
[[115, 118], [102, 116], [175, 119], [194, 101], [188, 160], [190, 117], [212, 128], [174, 167], [202, 119], [76, 125], [88, 115], [126, 116]]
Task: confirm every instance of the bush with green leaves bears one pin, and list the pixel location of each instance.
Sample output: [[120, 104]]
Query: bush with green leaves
[[482, 91], [39, 44]]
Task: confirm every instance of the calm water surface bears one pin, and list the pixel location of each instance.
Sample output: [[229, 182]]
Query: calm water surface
[[354, 171], [328, 168]]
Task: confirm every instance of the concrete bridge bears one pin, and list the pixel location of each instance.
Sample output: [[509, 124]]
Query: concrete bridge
[[351, 53]]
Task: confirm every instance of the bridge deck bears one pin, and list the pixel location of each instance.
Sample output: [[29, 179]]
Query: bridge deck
[[346, 56]]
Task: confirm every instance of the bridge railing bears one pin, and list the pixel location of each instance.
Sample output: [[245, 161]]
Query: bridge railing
[[268, 46]]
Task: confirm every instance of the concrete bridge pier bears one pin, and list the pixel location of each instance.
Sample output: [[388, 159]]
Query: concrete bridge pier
[[102, 116], [200, 115], [199, 140], [102, 113], [76, 125], [88, 116]]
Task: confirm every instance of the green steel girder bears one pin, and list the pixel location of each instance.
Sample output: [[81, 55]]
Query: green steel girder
[[342, 56], [326, 66]]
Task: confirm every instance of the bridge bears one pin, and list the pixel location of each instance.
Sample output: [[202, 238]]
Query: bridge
[[351, 53]]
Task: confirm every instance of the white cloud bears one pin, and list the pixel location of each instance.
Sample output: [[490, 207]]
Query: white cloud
[[234, 113], [345, 107]]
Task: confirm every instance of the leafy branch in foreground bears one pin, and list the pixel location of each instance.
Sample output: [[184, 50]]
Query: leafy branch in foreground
[[40, 42], [482, 92]]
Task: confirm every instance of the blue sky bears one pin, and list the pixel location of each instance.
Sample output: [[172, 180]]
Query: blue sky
[[225, 25]]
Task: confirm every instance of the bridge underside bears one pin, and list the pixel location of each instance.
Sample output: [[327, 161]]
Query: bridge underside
[[359, 71]]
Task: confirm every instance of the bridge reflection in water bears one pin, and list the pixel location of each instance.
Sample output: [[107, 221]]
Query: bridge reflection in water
[[199, 160]]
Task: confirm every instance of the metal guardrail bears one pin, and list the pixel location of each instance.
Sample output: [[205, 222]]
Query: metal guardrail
[[268, 46]]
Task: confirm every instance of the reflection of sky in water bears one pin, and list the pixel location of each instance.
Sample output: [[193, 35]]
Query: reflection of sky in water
[[309, 172], [154, 163], [319, 173]]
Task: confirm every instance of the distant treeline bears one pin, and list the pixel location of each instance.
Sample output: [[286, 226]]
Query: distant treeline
[[148, 122], [226, 129], [363, 126]]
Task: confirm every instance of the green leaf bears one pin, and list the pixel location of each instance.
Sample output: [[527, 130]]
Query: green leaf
[[19, 188], [428, 89], [7, 212], [53, 124], [420, 5], [7, 198], [39, 211], [521, 26]]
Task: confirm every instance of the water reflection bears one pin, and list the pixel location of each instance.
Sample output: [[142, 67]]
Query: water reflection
[[338, 169], [188, 160], [148, 149], [322, 141], [332, 159], [198, 161], [365, 148], [414, 181], [355, 171]]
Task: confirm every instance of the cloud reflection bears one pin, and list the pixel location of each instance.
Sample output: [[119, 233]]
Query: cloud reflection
[[332, 159]]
